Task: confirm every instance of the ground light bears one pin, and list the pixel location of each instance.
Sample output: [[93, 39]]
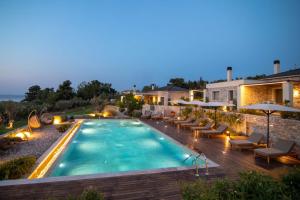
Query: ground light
[[23, 135], [10, 124], [57, 119]]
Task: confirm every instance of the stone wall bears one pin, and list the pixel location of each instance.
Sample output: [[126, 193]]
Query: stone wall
[[279, 128], [257, 94]]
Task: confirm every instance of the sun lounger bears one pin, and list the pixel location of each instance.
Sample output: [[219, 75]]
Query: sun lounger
[[190, 124], [157, 116], [219, 131], [254, 139], [189, 120], [207, 126], [280, 148], [178, 120]]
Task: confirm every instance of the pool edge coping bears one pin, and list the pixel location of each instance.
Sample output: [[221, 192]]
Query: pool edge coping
[[96, 176]]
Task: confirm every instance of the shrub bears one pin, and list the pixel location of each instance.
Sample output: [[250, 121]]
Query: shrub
[[251, 185], [62, 127], [186, 111], [196, 190], [290, 115], [63, 105], [17, 168], [251, 112], [292, 183], [137, 113], [254, 185]]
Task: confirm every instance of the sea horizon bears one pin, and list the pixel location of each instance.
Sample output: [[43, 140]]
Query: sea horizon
[[11, 97]]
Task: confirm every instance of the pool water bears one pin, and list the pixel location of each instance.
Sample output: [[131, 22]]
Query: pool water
[[111, 146]]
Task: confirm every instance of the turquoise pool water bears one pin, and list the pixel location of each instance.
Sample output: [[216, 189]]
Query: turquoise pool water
[[111, 146]]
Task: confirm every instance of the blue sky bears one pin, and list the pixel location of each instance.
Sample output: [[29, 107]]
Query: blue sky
[[141, 42]]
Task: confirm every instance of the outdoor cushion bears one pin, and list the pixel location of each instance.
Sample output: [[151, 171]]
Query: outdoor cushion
[[255, 137], [240, 142], [207, 126], [269, 152], [284, 145]]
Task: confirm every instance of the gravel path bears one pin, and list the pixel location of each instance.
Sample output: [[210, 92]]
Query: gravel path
[[38, 143]]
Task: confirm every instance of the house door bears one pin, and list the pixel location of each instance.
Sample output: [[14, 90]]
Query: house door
[[278, 96]]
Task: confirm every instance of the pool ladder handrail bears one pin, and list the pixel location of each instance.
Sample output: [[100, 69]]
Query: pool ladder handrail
[[194, 162]]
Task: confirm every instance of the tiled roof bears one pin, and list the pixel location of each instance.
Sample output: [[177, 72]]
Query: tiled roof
[[292, 72], [171, 88]]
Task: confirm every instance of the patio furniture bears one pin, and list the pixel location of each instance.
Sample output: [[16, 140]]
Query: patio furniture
[[157, 116], [219, 131], [207, 126], [146, 115], [191, 124], [280, 148], [269, 109], [189, 120], [180, 119], [251, 142]]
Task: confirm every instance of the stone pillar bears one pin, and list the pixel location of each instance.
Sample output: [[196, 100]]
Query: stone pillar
[[191, 95], [287, 93], [166, 99], [239, 96], [205, 97]]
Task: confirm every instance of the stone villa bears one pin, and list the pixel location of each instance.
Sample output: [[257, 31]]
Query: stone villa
[[280, 88]]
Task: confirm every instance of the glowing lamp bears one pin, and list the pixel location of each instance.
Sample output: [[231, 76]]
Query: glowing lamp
[[20, 135], [57, 119], [296, 93], [10, 124], [106, 114], [23, 135], [92, 115]]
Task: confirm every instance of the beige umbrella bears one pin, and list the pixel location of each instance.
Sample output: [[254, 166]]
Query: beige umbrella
[[269, 109]]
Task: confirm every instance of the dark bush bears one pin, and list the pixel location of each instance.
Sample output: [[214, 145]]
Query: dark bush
[[292, 183], [251, 185], [17, 168], [290, 115], [254, 185], [63, 127]]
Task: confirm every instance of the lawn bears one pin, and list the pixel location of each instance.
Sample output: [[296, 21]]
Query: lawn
[[17, 124]]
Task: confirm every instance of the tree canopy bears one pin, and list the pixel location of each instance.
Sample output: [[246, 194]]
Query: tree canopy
[[180, 82]]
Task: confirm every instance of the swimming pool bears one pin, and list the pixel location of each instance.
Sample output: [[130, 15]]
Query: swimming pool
[[112, 146]]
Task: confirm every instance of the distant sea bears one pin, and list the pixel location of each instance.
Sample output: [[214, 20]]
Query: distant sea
[[16, 98]]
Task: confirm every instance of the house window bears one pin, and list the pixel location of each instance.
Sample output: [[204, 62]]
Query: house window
[[215, 95], [162, 101], [230, 95]]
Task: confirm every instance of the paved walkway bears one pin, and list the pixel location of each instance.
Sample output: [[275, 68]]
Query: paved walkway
[[39, 142]]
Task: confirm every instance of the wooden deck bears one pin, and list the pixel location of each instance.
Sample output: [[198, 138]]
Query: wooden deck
[[218, 150]]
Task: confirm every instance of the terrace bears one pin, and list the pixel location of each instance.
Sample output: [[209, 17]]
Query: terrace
[[218, 150], [149, 184]]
